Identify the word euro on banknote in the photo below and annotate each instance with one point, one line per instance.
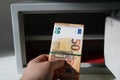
(66, 45)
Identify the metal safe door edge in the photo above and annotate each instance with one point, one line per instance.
(112, 46)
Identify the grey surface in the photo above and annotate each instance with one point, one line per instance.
(6, 38)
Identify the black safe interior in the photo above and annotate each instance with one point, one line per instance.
(42, 24)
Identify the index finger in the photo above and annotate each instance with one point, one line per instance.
(41, 58)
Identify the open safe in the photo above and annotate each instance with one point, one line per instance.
(33, 23)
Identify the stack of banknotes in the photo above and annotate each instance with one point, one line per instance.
(66, 45)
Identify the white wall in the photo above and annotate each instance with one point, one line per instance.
(6, 38)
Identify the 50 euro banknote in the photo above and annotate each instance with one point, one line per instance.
(66, 45)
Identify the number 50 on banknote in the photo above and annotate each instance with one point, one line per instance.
(66, 45)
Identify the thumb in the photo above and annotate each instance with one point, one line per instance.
(56, 64)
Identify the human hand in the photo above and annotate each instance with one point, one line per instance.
(41, 69)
